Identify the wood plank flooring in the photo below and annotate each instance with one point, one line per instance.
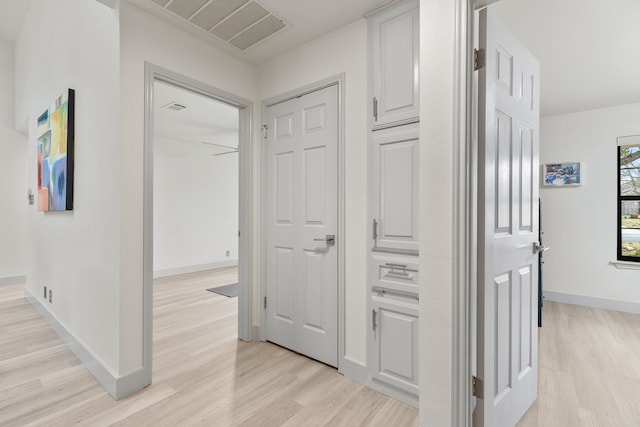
(202, 374)
(589, 363)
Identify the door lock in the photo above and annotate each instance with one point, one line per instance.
(329, 239)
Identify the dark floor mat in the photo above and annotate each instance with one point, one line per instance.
(226, 290)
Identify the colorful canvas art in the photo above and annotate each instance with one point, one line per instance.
(561, 174)
(55, 154)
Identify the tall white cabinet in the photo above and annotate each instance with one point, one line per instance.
(394, 143)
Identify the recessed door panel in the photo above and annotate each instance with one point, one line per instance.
(314, 284)
(396, 176)
(284, 187)
(314, 180)
(284, 284)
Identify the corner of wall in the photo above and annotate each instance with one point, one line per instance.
(117, 386)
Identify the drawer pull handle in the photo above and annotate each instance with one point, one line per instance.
(396, 266)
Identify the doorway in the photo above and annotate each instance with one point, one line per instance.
(236, 109)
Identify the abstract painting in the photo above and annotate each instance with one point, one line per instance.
(561, 174)
(55, 154)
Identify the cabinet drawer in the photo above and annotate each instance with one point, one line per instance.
(395, 274)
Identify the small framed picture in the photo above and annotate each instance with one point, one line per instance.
(565, 174)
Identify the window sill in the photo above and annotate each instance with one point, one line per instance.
(627, 265)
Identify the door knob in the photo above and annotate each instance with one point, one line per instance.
(537, 248)
(329, 239)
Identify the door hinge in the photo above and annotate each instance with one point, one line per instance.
(374, 320)
(375, 109)
(375, 229)
(265, 302)
(479, 59)
(264, 129)
(477, 387)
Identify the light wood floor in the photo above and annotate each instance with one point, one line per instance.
(589, 372)
(589, 369)
(202, 375)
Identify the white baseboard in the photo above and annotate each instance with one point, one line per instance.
(117, 387)
(586, 301)
(13, 280)
(354, 370)
(194, 268)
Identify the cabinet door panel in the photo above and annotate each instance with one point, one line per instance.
(395, 189)
(395, 342)
(394, 55)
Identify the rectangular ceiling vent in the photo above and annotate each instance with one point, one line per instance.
(175, 106)
(240, 23)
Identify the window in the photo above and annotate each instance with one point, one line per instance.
(629, 198)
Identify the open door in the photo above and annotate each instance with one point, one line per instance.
(508, 108)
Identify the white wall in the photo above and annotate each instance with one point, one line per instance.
(438, 138)
(13, 178)
(6, 84)
(74, 44)
(580, 222)
(195, 207)
(343, 51)
(146, 38)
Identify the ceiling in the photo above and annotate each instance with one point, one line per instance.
(589, 50)
(305, 20)
(207, 125)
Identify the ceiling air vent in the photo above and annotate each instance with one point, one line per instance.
(240, 23)
(175, 106)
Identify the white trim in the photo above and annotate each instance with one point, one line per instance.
(628, 140)
(464, 250)
(595, 302)
(193, 268)
(13, 280)
(625, 265)
(346, 366)
(117, 386)
(153, 73)
(111, 4)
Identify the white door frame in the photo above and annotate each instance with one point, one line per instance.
(340, 246)
(154, 73)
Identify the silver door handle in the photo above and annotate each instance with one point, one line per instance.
(537, 248)
(329, 239)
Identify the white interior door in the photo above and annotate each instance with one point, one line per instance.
(301, 217)
(507, 227)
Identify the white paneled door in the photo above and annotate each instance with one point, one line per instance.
(301, 224)
(507, 227)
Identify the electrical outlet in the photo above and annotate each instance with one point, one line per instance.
(50, 296)
(228, 253)
(45, 292)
